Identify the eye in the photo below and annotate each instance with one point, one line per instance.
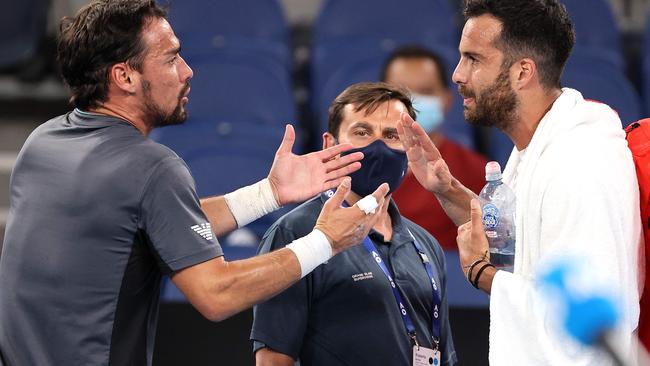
(361, 132)
(392, 136)
(173, 59)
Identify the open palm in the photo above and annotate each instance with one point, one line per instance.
(425, 160)
(296, 178)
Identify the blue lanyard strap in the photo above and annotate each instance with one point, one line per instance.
(370, 247)
(408, 323)
(435, 311)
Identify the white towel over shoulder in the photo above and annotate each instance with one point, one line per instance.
(577, 193)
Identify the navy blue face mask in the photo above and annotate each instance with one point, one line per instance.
(380, 164)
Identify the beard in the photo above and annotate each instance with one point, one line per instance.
(495, 106)
(154, 115)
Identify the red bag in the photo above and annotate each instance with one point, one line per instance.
(638, 139)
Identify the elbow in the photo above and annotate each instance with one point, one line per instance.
(215, 312)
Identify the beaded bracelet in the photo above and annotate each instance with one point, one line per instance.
(471, 268)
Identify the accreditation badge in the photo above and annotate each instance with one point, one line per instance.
(423, 356)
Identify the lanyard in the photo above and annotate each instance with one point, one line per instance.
(408, 323)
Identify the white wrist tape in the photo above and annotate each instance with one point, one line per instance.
(249, 203)
(312, 250)
(368, 204)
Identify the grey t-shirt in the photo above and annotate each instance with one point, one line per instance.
(98, 213)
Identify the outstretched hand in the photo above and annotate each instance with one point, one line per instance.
(296, 178)
(425, 160)
(347, 226)
(471, 239)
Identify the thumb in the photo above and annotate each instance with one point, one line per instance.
(287, 141)
(341, 192)
(476, 215)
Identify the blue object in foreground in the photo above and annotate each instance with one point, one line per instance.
(586, 313)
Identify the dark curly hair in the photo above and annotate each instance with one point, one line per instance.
(103, 33)
(539, 29)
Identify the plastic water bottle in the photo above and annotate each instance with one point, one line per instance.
(498, 204)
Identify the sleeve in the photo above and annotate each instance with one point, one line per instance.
(280, 323)
(583, 213)
(171, 216)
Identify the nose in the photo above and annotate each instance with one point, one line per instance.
(459, 76)
(186, 72)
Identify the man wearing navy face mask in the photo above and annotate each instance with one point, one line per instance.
(423, 73)
(375, 324)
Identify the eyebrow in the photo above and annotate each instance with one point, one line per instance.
(174, 51)
(363, 124)
(471, 54)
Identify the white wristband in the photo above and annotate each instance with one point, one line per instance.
(249, 203)
(312, 250)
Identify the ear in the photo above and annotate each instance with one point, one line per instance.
(124, 77)
(328, 140)
(525, 71)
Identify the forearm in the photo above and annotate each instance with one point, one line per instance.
(219, 215)
(226, 288)
(239, 208)
(269, 357)
(455, 202)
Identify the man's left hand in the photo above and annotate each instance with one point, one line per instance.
(471, 239)
(296, 178)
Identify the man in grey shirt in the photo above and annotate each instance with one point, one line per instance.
(99, 211)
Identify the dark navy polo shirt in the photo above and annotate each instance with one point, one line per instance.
(344, 312)
(98, 213)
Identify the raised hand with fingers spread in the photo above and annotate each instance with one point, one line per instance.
(295, 178)
(347, 226)
(425, 160)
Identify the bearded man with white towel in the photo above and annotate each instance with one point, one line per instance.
(571, 170)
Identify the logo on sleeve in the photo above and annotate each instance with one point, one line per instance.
(205, 230)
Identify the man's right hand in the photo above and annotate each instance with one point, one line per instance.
(425, 160)
(347, 226)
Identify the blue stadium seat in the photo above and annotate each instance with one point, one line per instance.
(225, 156)
(595, 25)
(367, 67)
(603, 82)
(346, 32)
(235, 86)
(645, 68)
(22, 25)
(253, 25)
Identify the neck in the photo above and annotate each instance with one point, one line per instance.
(115, 110)
(384, 224)
(530, 115)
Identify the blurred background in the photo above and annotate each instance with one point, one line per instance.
(259, 64)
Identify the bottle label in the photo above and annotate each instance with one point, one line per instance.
(490, 216)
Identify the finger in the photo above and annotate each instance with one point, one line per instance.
(381, 192)
(341, 172)
(405, 132)
(341, 192)
(330, 152)
(476, 215)
(422, 138)
(335, 164)
(287, 141)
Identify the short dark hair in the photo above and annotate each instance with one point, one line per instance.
(416, 52)
(103, 33)
(368, 97)
(539, 29)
